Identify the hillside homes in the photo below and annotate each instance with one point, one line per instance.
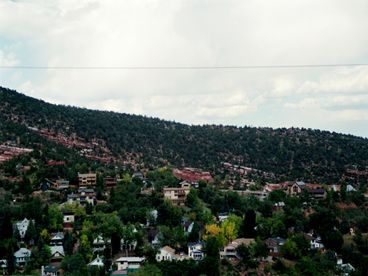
(167, 253)
(177, 196)
(229, 251)
(87, 179)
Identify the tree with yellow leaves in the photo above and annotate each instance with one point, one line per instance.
(211, 230)
(228, 229)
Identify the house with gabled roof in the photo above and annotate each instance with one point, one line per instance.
(167, 253)
(98, 261)
(274, 246)
(22, 227)
(57, 253)
(57, 238)
(22, 256)
(196, 251)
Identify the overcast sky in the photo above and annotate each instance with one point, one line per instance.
(195, 33)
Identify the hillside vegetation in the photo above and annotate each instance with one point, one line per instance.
(292, 153)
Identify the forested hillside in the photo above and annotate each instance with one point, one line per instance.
(292, 153)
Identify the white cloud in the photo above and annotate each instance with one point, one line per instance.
(8, 59)
(194, 33)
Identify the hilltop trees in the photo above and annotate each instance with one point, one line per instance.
(158, 142)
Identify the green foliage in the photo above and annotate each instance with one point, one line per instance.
(314, 154)
(55, 217)
(40, 256)
(332, 240)
(290, 250)
(168, 214)
(74, 265)
(295, 247)
(148, 270)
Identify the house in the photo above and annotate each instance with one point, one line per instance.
(99, 244)
(68, 220)
(22, 256)
(195, 251)
(229, 251)
(316, 191)
(3, 264)
(85, 196)
(131, 264)
(278, 206)
(315, 241)
(222, 217)
(87, 179)
(189, 184)
(57, 253)
(49, 270)
(188, 226)
(110, 182)
(346, 269)
(274, 246)
(22, 227)
(335, 188)
(350, 188)
(166, 253)
(153, 236)
(261, 195)
(61, 184)
(138, 175)
(294, 188)
(87, 192)
(177, 196)
(97, 262)
(316, 244)
(152, 217)
(57, 238)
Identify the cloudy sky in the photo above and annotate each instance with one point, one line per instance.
(195, 33)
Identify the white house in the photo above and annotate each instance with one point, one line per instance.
(166, 253)
(350, 188)
(97, 262)
(57, 252)
(22, 227)
(195, 251)
(68, 220)
(57, 238)
(346, 269)
(129, 263)
(3, 264)
(316, 243)
(222, 217)
(22, 256)
(99, 244)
